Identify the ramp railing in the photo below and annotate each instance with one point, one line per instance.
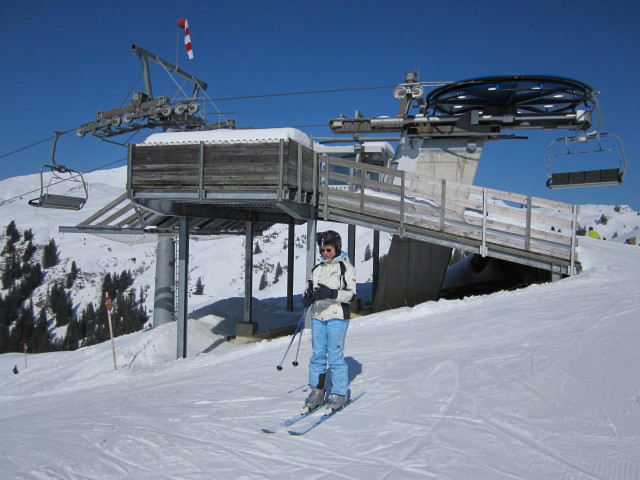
(520, 228)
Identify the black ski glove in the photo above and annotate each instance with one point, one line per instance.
(307, 299)
(322, 292)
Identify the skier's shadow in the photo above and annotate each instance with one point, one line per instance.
(355, 369)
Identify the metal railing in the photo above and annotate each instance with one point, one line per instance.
(490, 222)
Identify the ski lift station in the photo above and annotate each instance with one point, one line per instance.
(195, 178)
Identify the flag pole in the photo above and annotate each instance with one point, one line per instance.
(177, 44)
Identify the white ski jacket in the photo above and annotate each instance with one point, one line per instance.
(329, 273)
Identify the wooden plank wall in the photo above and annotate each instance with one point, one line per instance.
(236, 166)
(380, 195)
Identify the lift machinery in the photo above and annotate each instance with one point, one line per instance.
(485, 107)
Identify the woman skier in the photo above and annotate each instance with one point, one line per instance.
(331, 289)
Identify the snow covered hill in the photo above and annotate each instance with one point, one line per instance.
(539, 383)
(96, 256)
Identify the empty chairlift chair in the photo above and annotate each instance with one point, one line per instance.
(60, 182)
(603, 148)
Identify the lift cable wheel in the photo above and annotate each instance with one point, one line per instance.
(50, 195)
(525, 101)
(528, 101)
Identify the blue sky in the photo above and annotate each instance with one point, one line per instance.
(64, 61)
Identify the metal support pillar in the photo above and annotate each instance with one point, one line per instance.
(351, 243)
(376, 263)
(183, 285)
(311, 247)
(248, 273)
(247, 328)
(556, 273)
(291, 246)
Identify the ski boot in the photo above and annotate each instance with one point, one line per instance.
(336, 402)
(314, 400)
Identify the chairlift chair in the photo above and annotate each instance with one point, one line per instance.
(60, 174)
(586, 178)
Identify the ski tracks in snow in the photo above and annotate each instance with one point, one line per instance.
(432, 394)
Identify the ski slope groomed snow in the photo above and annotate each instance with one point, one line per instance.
(539, 383)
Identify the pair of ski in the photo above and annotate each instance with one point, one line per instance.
(306, 422)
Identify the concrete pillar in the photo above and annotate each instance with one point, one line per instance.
(413, 270)
(411, 273)
(453, 158)
(164, 296)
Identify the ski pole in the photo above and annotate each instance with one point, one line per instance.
(295, 361)
(309, 296)
(300, 324)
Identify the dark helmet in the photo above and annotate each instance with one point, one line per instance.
(330, 238)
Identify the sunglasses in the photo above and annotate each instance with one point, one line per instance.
(326, 249)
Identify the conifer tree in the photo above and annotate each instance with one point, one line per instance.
(32, 278)
(12, 232)
(50, 256)
(52, 297)
(12, 237)
(199, 289)
(263, 281)
(12, 271)
(23, 330)
(90, 320)
(60, 304)
(3, 314)
(108, 286)
(279, 273)
(73, 336)
(72, 275)
(4, 338)
(12, 303)
(124, 280)
(41, 338)
(29, 250)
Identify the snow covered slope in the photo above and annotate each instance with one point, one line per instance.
(96, 256)
(538, 383)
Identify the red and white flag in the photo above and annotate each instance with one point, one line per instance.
(182, 23)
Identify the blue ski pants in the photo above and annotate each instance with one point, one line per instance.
(327, 340)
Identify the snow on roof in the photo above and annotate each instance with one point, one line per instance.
(258, 135)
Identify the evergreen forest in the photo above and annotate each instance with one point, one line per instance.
(41, 316)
